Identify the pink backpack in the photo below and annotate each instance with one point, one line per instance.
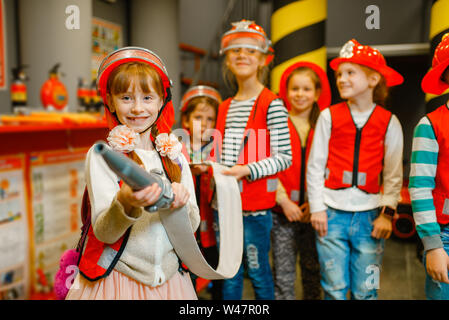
(68, 263)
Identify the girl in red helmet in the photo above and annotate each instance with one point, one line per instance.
(127, 253)
(305, 90)
(256, 146)
(356, 149)
(199, 109)
(429, 182)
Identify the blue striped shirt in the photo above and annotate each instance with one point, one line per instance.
(423, 169)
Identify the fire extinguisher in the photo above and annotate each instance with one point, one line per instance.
(53, 92)
(18, 88)
(95, 100)
(83, 95)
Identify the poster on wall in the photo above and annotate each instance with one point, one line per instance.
(3, 66)
(106, 37)
(14, 239)
(57, 186)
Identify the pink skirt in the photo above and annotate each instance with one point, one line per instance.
(118, 286)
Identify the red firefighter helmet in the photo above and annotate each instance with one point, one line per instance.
(247, 29)
(120, 56)
(367, 56)
(199, 91)
(325, 95)
(432, 81)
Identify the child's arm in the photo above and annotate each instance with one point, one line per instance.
(392, 177)
(437, 264)
(317, 162)
(315, 172)
(130, 200)
(108, 217)
(281, 152)
(421, 183)
(291, 210)
(392, 171)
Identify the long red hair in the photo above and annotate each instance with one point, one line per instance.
(119, 81)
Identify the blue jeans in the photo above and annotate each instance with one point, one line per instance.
(438, 290)
(350, 259)
(256, 247)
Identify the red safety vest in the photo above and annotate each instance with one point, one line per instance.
(206, 192)
(294, 178)
(261, 193)
(356, 155)
(439, 120)
(98, 259)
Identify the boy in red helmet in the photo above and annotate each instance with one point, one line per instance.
(429, 182)
(357, 144)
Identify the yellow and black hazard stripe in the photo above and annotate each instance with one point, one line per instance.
(439, 25)
(298, 30)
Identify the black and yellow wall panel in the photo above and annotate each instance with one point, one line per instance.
(298, 31)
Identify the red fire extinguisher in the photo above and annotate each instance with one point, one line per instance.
(96, 103)
(18, 88)
(53, 92)
(83, 95)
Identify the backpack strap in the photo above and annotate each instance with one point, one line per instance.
(85, 218)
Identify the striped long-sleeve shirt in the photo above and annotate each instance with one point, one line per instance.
(421, 183)
(281, 153)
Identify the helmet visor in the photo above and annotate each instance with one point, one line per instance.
(247, 39)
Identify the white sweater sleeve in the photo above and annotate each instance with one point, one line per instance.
(108, 217)
(102, 184)
(392, 171)
(317, 161)
(187, 181)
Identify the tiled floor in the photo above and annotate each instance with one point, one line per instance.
(402, 277)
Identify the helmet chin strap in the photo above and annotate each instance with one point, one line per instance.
(167, 100)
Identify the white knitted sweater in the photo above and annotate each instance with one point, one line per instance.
(148, 256)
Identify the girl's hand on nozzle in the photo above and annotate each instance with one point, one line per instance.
(437, 263)
(181, 195)
(133, 199)
(319, 222)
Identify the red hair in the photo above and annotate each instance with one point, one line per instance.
(119, 81)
